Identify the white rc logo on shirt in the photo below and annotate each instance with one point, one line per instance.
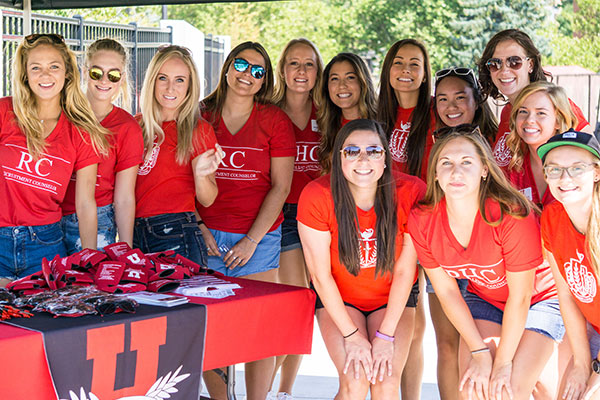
(581, 281)
(30, 172)
(502, 154)
(233, 165)
(398, 141)
(368, 249)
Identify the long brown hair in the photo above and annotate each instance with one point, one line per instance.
(387, 108)
(214, 102)
(495, 186)
(523, 40)
(565, 118)
(329, 116)
(592, 235)
(345, 206)
(280, 86)
(72, 99)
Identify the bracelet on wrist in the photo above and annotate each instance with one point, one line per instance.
(482, 350)
(251, 240)
(350, 334)
(383, 336)
(201, 223)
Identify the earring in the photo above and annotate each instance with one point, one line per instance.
(484, 177)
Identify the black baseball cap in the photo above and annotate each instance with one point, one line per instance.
(570, 138)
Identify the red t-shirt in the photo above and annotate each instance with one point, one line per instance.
(244, 176)
(316, 210)
(306, 167)
(573, 260)
(399, 139)
(514, 245)
(525, 182)
(502, 153)
(31, 190)
(127, 150)
(163, 186)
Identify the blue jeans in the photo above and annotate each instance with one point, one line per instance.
(265, 257)
(23, 247)
(107, 229)
(178, 232)
(543, 317)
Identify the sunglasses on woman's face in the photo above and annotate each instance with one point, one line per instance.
(512, 62)
(352, 153)
(96, 73)
(241, 65)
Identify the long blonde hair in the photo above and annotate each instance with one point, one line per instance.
(189, 111)
(280, 86)
(495, 186)
(123, 96)
(592, 236)
(565, 118)
(72, 99)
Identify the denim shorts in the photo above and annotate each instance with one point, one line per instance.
(543, 317)
(594, 338)
(178, 232)
(265, 257)
(290, 239)
(107, 229)
(23, 247)
(462, 285)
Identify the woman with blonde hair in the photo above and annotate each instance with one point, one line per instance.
(47, 132)
(571, 237)
(540, 111)
(474, 225)
(299, 73)
(243, 226)
(106, 66)
(181, 156)
(346, 93)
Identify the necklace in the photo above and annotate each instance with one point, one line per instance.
(50, 119)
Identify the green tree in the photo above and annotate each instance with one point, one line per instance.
(479, 20)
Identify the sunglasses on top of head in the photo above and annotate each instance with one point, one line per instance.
(96, 73)
(512, 62)
(352, 153)
(55, 38)
(463, 129)
(241, 65)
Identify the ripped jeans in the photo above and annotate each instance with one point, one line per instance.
(178, 232)
(107, 230)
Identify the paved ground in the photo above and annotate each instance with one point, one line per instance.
(317, 378)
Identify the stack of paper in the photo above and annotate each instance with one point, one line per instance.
(207, 286)
(157, 299)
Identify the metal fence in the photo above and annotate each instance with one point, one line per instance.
(142, 42)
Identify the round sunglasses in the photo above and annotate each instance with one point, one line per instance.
(96, 73)
(241, 65)
(512, 62)
(352, 153)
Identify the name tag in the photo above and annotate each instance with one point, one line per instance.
(314, 125)
(528, 192)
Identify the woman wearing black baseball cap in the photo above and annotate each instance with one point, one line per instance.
(571, 237)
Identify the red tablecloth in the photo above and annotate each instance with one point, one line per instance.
(261, 320)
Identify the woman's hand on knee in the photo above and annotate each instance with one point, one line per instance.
(358, 354)
(592, 391)
(500, 378)
(575, 382)
(383, 354)
(477, 376)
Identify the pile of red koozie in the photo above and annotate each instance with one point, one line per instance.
(119, 269)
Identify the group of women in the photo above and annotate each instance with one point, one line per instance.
(308, 169)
